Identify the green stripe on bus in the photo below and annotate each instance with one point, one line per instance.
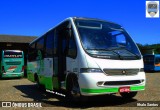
(47, 81)
(99, 90)
(133, 88)
(30, 76)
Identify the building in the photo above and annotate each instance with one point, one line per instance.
(14, 42)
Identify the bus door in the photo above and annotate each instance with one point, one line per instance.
(60, 58)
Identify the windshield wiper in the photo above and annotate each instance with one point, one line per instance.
(120, 48)
(119, 56)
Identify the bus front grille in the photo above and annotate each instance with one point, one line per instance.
(13, 63)
(127, 72)
(116, 83)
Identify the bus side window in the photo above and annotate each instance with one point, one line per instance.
(157, 60)
(72, 48)
(31, 52)
(55, 50)
(40, 46)
(49, 44)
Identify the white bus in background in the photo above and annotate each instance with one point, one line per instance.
(87, 57)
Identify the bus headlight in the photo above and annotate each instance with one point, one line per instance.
(91, 70)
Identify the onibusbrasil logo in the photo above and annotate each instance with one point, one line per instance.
(152, 9)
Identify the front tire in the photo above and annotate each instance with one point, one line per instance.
(129, 95)
(73, 90)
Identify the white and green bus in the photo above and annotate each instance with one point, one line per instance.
(87, 57)
(12, 64)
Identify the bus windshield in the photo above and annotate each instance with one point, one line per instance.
(12, 54)
(102, 39)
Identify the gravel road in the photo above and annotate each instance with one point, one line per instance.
(24, 90)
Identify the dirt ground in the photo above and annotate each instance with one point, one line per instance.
(23, 90)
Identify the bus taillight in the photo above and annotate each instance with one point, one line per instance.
(3, 70)
(23, 68)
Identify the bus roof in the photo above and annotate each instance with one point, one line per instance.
(95, 19)
(74, 18)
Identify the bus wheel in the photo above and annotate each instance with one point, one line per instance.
(129, 95)
(73, 91)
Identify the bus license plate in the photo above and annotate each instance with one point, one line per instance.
(124, 89)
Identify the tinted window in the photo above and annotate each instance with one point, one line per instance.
(49, 44)
(40, 47)
(157, 60)
(55, 43)
(72, 49)
(31, 48)
(148, 59)
(32, 52)
(13, 54)
(40, 44)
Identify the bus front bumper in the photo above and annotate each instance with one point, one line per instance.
(95, 83)
(12, 75)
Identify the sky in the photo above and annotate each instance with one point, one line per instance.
(35, 17)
